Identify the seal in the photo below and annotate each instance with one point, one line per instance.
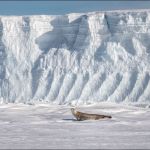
(80, 116)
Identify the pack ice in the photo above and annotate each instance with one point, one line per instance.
(76, 58)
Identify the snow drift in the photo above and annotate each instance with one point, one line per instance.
(82, 58)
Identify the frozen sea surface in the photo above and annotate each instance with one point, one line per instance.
(53, 126)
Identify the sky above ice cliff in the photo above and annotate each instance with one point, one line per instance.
(63, 7)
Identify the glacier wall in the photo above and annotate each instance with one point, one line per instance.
(76, 58)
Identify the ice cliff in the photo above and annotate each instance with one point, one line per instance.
(81, 58)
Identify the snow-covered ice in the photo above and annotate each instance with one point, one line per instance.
(96, 61)
(53, 126)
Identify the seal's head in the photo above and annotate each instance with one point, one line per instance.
(73, 111)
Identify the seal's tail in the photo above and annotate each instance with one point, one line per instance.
(108, 116)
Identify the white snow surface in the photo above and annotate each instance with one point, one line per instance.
(76, 58)
(44, 126)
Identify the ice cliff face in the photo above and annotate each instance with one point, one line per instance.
(81, 58)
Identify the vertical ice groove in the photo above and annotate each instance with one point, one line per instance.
(85, 81)
(145, 94)
(124, 88)
(91, 86)
(145, 97)
(93, 89)
(109, 86)
(49, 80)
(140, 86)
(74, 91)
(36, 76)
(44, 85)
(26, 24)
(65, 88)
(55, 87)
(71, 86)
(79, 84)
(107, 23)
